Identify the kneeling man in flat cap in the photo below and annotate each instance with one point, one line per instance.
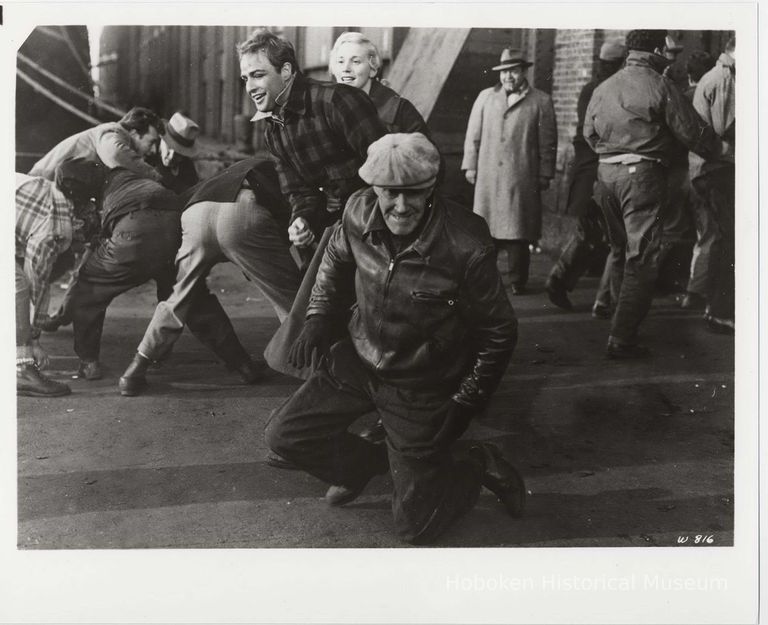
(429, 339)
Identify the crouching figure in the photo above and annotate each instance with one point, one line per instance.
(429, 338)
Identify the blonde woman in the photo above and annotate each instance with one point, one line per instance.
(356, 61)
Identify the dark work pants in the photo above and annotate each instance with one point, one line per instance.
(431, 488)
(579, 253)
(633, 199)
(518, 260)
(718, 191)
(142, 247)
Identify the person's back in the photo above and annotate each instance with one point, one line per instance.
(81, 145)
(124, 143)
(629, 107)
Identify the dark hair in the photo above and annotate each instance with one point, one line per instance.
(277, 50)
(646, 40)
(731, 45)
(699, 63)
(79, 178)
(140, 119)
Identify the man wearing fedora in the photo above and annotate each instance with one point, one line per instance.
(509, 155)
(178, 146)
(633, 122)
(579, 253)
(429, 340)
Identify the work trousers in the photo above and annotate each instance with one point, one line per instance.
(718, 191)
(141, 248)
(431, 488)
(707, 238)
(23, 307)
(633, 199)
(242, 232)
(678, 231)
(518, 255)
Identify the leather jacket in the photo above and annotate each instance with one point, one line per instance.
(435, 315)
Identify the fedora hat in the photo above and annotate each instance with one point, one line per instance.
(180, 134)
(511, 57)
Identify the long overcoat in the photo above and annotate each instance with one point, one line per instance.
(510, 147)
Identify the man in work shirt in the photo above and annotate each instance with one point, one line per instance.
(715, 183)
(115, 144)
(632, 123)
(46, 216)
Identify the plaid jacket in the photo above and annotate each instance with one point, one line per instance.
(320, 138)
(43, 231)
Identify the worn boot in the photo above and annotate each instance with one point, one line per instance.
(31, 383)
(133, 381)
(500, 477)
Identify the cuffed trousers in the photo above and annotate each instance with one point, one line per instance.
(243, 232)
(431, 488)
(633, 199)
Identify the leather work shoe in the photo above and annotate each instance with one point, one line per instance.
(500, 477)
(340, 495)
(601, 311)
(251, 371)
(693, 301)
(375, 434)
(90, 370)
(557, 293)
(31, 383)
(278, 462)
(133, 381)
(619, 351)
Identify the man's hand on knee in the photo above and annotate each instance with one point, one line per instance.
(314, 338)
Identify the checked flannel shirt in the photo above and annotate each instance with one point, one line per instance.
(43, 231)
(319, 138)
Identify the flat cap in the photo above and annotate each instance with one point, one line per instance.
(612, 51)
(401, 160)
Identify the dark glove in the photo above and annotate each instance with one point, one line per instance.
(314, 338)
(457, 418)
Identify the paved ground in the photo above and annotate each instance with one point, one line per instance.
(614, 453)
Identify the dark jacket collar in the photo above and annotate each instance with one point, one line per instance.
(298, 95)
(639, 58)
(430, 233)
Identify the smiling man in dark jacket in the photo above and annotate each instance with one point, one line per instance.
(429, 341)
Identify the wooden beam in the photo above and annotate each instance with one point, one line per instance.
(423, 64)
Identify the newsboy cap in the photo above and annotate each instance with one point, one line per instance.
(401, 160)
(646, 40)
(612, 51)
(511, 57)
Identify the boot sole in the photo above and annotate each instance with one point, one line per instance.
(31, 393)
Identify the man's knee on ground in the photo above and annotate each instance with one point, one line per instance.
(275, 435)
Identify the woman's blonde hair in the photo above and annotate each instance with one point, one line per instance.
(374, 58)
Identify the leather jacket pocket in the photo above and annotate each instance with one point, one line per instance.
(428, 297)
